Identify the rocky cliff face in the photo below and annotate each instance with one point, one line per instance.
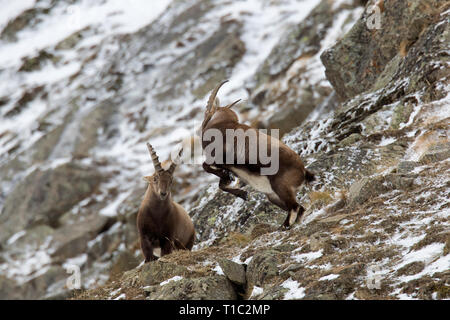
(366, 107)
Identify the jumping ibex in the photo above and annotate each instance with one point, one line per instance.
(280, 187)
(162, 222)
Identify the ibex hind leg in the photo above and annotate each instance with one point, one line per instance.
(277, 201)
(286, 196)
(293, 216)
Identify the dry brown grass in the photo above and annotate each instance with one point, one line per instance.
(403, 49)
(323, 196)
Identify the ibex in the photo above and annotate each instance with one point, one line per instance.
(162, 222)
(280, 187)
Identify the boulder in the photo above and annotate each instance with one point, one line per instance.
(369, 188)
(262, 268)
(33, 288)
(411, 268)
(303, 39)
(205, 288)
(354, 63)
(155, 272)
(235, 272)
(123, 262)
(100, 118)
(71, 240)
(44, 196)
(437, 152)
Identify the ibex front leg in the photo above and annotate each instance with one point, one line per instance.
(225, 180)
(147, 249)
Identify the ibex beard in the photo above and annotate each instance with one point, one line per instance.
(232, 148)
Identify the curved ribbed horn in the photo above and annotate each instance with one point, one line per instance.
(154, 157)
(213, 95)
(232, 104)
(174, 162)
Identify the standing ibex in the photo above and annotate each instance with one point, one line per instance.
(280, 186)
(162, 222)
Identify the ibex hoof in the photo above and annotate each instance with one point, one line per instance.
(284, 227)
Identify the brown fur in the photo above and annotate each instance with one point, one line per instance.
(284, 184)
(161, 222)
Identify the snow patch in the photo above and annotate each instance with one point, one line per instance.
(176, 278)
(329, 277)
(295, 291)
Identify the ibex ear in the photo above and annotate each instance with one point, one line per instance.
(147, 178)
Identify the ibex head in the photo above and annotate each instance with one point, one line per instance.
(213, 107)
(161, 180)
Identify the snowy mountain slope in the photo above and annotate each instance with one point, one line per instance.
(85, 84)
(88, 82)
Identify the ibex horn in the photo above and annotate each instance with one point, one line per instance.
(232, 104)
(174, 164)
(213, 95)
(155, 159)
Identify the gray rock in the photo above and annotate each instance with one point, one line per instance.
(71, 240)
(127, 214)
(262, 268)
(37, 287)
(235, 272)
(273, 293)
(33, 239)
(28, 18)
(351, 139)
(406, 166)
(34, 288)
(106, 243)
(354, 64)
(367, 188)
(27, 96)
(208, 63)
(206, 288)
(411, 268)
(291, 269)
(44, 196)
(99, 118)
(292, 114)
(71, 41)
(123, 262)
(218, 55)
(155, 272)
(401, 114)
(256, 210)
(36, 62)
(299, 40)
(435, 153)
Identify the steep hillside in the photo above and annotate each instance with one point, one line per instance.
(367, 109)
